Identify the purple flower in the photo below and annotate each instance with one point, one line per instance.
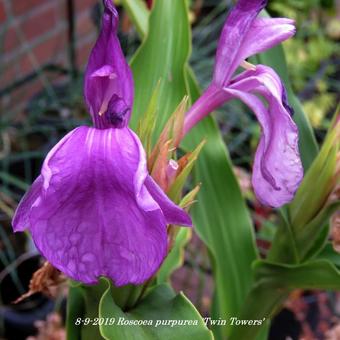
(94, 210)
(277, 169)
(108, 84)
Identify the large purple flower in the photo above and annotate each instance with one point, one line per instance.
(277, 170)
(94, 210)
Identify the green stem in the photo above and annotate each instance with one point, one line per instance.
(92, 296)
(262, 304)
(284, 248)
(264, 301)
(83, 304)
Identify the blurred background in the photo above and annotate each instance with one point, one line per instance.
(44, 46)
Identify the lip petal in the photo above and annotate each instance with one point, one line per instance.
(93, 212)
(277, 170)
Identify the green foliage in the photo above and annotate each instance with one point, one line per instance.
(315, 274)
(231, 267)
(166, 48)
(160, 304)
(244, 286)
(138, 13)
(175, 258)
(177, 187)
(321, 177)
(301, 236)
(223, 223)
(318, 106)
(328, 253)
(273, 284)
(75, 309)
(311, 53)
(147, 124)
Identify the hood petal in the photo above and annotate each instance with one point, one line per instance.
(108, 87)
(277, 170)
(94, 215)
(264, 34)
(31, 198)
(234, 33)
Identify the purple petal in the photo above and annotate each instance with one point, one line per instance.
(108, 87)
(172, 213)
(94, 214)
(31, 198)
(277, 170)
(234, 33)
(265, 34)
(211, 99)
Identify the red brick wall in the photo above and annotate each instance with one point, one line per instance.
(33, 33)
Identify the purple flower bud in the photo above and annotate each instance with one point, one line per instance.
(108, 87)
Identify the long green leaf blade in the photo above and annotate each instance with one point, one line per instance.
(273, 284)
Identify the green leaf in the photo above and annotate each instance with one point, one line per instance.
(284, 247)
(177, 187)
(75, 309)
(316, 274)
(138, 13)
(328, 253)
(83, 304)
(222, 219)
(162, 56)
(305, 227)
(176, 256)
(147, 124)
(311, 239)
(273, 284)
(92, 295)
(7, 178)
(320, 176)
(159, 306)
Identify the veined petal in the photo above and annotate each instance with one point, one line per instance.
(277, 170)
(234, 33)
(108, 87)
(31, 198)
(95, 216)
(265, 33)
(263, 80)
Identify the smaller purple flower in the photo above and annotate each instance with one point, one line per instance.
(277, 169)
(95, 210)
(108, 84)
